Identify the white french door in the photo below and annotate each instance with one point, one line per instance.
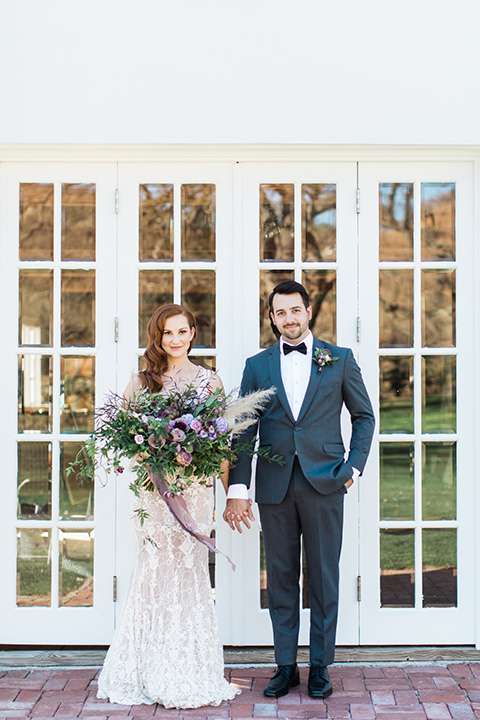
(298, 222)
(417, 514)
(87, 253)
(57, 535)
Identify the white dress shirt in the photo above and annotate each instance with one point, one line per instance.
(295, 369)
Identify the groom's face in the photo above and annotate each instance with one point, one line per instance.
(291, 317)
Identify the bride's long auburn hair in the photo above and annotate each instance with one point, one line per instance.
(155, 356)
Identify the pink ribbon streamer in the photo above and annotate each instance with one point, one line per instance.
(179, 510)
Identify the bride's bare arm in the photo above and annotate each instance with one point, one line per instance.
(133, 387)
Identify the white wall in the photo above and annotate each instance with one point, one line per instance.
(250, 71)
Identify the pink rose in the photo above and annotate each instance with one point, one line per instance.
(184, 458)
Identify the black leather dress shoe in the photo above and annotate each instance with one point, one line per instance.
(319, 685)
(286, 676)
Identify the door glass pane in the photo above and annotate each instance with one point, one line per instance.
(396, 308)
(155, 289)
(439, 568)
(439, 481)
(36, 221)
(438, 221)
(396, 395)
(198, 222)
(319, 221)
(321, 286)
(276, 222)
(78, 308)
(396, 221)
(397, 481)
(77, 400)
(439, 394)
(34, 393)
(397, 563)
(156, 222)
(78, 221)
(263, 575)
(35, 307)
(438, 308)
(76, 494)
(33, 567)
(268, 280)
(34, 481)
(75, 582)
(198, 294)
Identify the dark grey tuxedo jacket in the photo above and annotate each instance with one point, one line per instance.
(316, 435)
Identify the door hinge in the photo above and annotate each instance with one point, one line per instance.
(359, 588)
(359, 329)
(357, 200)
(114, 588)
(116, 201)
(115, 330)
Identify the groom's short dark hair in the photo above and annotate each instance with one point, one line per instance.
(287, 287)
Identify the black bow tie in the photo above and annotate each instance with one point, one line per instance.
(302, 348)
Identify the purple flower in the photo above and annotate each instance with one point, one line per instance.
(144, 419)
(180, 425)
(212, 433)
(155, 443)
(184, 458)
(171, 424)
(178, 435)
(221, 425)
(196, 425)
(119, 470)
(139, 439)
(187, 418)
(204, 434)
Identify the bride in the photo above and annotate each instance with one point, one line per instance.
(166, 648)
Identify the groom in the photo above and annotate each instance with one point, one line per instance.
(304, 496)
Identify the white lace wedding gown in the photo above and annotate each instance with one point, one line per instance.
(166, 648)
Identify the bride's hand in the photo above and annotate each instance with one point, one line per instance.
(237, 512)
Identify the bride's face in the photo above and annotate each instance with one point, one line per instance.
(177, 336)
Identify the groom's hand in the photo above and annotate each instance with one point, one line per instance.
(237, 512)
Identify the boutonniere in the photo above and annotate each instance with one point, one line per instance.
(323, 357)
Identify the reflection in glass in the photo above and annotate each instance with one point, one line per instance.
(268, 280)
(438, 308)
(155, 289)
(33, 568)
(76, 494)
(439, 481)
(198, 294)
(78, 221)
(78, 308)
(396, 308)
(198, 222)
(319, 222)
(321, 286)
(75, 582)
(397, 568)
(36, 221)
(439, 568)
(438, 221)
(34, 393)
(156, 222)
(396, 221)
(276, 222)
(439, 394)
(35, 307)
(396, 481)
(396, 395)
(77, 399)
(263, 575)
(34, 480)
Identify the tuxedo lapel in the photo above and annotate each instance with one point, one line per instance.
(276, 378)
(316, 379)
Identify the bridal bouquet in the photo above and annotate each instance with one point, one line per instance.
(178, 436)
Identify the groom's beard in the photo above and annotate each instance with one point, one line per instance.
(293, 333)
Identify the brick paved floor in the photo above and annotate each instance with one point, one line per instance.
(385, 692)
